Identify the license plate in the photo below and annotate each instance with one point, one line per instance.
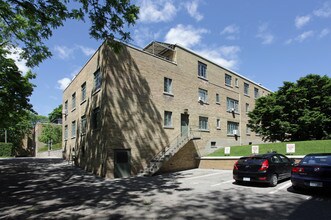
(246, 179)
(315, 184)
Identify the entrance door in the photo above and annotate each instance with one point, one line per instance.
(122, 165)
(184, 121)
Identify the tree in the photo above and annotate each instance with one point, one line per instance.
(29, 22)
(55, 114)
(297, 111)
(51, 132)
(14, 92)
(26, 24)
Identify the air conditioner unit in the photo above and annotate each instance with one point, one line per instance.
(232, 109)
(200, 99)
(235, 132)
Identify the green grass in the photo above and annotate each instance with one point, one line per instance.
(301, 148)
(57, 146)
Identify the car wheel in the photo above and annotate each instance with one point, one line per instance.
(296, 188)
(273, 180)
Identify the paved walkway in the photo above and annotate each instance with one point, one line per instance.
(53, 189)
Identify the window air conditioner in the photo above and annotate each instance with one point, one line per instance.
(235, 132)
(200, 99)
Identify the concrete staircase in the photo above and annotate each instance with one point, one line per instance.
(166, 153)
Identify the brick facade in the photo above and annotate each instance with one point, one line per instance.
(128, 111)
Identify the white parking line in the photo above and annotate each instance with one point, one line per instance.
(280, 188)
(229, 181)
(196, 177)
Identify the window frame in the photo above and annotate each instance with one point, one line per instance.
(97, 80)
(202, 70)
(246, 89)
(83, 125)
(204, 97)
(256, 93)
(83, 92)
(95, 119)
(167, 121)
(73, 101)
(66, 132)
(227, 78)
(73, 129)
(203, 123)
(232, 104)
(167, 85)
(218, 124)
(218, 98)
(231, 126)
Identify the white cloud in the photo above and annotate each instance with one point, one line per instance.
(15, 55)
(324, 11)
(301, 21)
(302, 37)
(324, 32)
(156, 11)
(192, 9)
(231, 32)
(186, 36)
(86, 50)
(64, 52)
(226, 56)
(63, 83)
(264, 34)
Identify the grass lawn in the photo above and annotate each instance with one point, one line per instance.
(57, 146)
(301, 148)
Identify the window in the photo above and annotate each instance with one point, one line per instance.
(217, 98)
(65, 112)
(247, 108)
(96, 118)
(203, 123)
(232, 128)
(97, 80)
(256, 93)
(167, 85)
(203, 95)
(248, 130)
(73, 100)
(83, 88)
(232, 105)
(66, 132)
(228, 80)
(246, 88)
(218, 123)
(236, 82)
(202, 70)
(73, 129)
(83, 124)
(167, 119)
(213, 144)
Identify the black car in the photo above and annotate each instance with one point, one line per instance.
(266, 168)
(313, 171)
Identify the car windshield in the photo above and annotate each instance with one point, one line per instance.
(317, 160)
(251, 160)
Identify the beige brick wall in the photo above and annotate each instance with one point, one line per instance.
(132, 107)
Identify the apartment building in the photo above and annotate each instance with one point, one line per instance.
(124, 109)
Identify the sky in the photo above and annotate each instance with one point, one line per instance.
(266, 41)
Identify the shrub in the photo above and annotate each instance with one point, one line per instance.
(6, 149)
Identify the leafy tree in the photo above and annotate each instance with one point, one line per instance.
(14, 92)
(51, 132)
(55, 114)
(297, 111)
(28, 22)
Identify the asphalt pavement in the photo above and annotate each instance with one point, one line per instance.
(33, 188)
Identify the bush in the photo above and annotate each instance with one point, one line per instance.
(6, 149)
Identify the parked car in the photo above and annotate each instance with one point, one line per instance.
(266, 168)
(313, 171)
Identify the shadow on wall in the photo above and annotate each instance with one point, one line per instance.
(129, 118)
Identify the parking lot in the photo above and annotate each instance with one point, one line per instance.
(45, 188)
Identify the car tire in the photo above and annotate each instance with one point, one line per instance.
(273, 180)
(295, 188)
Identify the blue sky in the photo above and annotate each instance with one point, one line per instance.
(266, 41)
